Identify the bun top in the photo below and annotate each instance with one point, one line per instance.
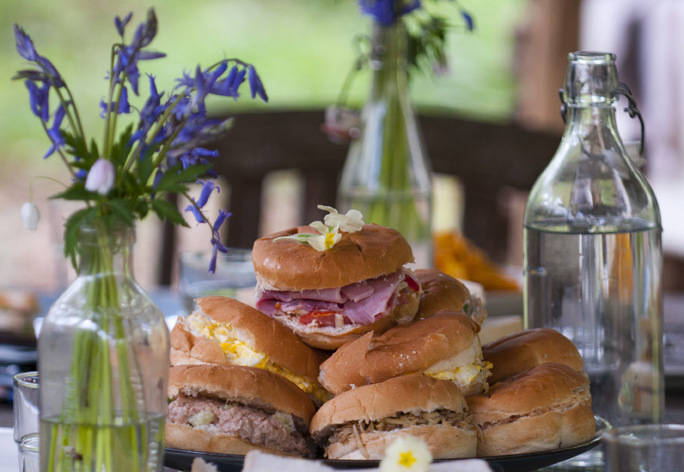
(246, 385)
(267, 335)
(524, 350)
(440, 293)
(409, 393)
(288, 265)
(544, 387)
(401, 350)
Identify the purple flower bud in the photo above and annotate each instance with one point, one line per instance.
(121, 23)
(30, 216)
(255, 84)
(467, 17)
(25, 46)
(208, 187)
(101, 177)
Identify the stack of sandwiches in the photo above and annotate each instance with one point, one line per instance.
(347, 349)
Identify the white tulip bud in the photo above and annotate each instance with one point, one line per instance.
(30, 216)
(100, 177)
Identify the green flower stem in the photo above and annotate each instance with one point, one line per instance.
(105, 140)
(394, 204)
(159, 124)
(75, 126)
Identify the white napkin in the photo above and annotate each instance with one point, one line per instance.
(257, 461)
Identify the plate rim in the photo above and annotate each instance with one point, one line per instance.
(602, 425)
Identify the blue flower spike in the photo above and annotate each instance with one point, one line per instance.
(121, 23)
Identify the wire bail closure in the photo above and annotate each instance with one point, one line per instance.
(631, 109)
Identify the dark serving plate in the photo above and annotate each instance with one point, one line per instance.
(182, 459)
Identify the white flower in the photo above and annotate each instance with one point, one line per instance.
(328, 236)
(406, 454)
(30, 216)
(350, 222)
(329, 231)
(100, 177)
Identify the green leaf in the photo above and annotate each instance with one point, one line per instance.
(73, 223)
(120, 149)
(76, 146)
(76, 192)
(145, 166)
(121, 209)
(167, 211)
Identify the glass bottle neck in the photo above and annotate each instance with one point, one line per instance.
(388, 61)
(106, 252)
(595, 124)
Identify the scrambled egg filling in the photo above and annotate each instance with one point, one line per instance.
(463, 375)
(240, 353)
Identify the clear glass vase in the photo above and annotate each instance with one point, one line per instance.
(103, 361)
(593, 257)
(387, 175)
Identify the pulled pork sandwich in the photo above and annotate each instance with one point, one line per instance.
(328, 296)
(233, 410)
(444, 346)
(225, 331)
(361, 423)
(444, 293)
(547, 407)
(524, 350)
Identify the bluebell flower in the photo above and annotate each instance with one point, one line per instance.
(124, 106)
(228, 87)
(386, 12)
(121, 23)
(39, 99)
(81, 174)
(146, 31)
(51, 71)
(27, 50)
(216, 245)
(24, 44)
(153, 107)
(467, 17)
(207, 188)
(255, 85)
(54, 133)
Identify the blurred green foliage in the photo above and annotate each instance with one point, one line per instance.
(302, 49)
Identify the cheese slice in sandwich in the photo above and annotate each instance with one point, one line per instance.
(225, 331)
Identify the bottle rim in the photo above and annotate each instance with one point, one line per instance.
(591, 57)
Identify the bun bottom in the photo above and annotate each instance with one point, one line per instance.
(181, 436)
(331, 338)
(444, 442)
(552, 430)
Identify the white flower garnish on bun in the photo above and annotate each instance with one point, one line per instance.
(329, 230)
(406, 454)
(350, 222)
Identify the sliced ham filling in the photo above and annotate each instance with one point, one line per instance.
(356, 304)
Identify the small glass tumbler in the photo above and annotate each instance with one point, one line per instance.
(234, 276)
(644, 448)
(25, 404)
(29, 456)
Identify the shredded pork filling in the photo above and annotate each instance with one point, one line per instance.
(275, 430)
(561, 408)
(352, 429)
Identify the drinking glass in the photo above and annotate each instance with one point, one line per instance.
(234, 276)
(29, 456)
(644, 448)
(25, 404)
